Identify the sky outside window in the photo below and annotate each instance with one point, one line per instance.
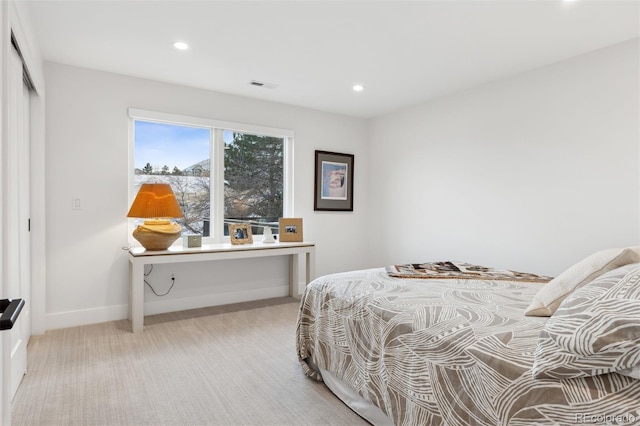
(161, 144)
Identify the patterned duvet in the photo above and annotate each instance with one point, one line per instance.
(455, 352)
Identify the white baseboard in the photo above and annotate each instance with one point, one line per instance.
(86, 316)
(118, 312)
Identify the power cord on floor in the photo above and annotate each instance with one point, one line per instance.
(173, 281)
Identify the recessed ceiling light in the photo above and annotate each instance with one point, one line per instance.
(358, 87)
(180, 45)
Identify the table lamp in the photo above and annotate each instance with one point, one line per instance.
(157, 201)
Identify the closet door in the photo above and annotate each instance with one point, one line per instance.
(18, 258)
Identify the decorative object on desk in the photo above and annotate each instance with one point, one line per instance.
(192, 240)
(290, 230)
(333, 189)
(267, 236)
(157, 201)
(240, 233)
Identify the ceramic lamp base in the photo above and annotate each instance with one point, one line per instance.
(157, 234)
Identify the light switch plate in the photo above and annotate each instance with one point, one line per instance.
(76, 203)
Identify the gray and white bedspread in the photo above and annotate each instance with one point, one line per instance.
(455, 352)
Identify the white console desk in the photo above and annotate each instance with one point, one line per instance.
(139, 257)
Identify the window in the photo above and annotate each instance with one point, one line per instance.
(179, 156)
(253, 174)
(220, 172)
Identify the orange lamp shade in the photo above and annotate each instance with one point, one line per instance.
(155, 200)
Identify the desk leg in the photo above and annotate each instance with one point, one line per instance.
(293, 275)
(311, 265)
(136, 301)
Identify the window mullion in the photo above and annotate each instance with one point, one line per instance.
(288, 177)
(217, 184)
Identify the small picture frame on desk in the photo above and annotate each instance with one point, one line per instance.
(290, 230)
(240, 233)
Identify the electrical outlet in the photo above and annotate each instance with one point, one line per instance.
(173, 276)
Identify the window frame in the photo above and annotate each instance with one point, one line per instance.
(216, 149)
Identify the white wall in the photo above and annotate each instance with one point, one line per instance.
(529, 173)
(87, 157)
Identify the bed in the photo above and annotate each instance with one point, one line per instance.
(461, 350)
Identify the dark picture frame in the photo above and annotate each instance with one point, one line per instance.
(333, 189)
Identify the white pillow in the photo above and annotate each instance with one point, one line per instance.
(547, 300)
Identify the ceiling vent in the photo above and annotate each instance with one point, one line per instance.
(257, 83)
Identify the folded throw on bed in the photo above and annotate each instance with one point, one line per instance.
(460, 270)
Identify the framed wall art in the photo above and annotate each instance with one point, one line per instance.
(290, 230)
(333, 181)
(240, 233)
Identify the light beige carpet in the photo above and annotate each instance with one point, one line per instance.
(231, 365)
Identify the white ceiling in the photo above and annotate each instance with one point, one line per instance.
(404, 52)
